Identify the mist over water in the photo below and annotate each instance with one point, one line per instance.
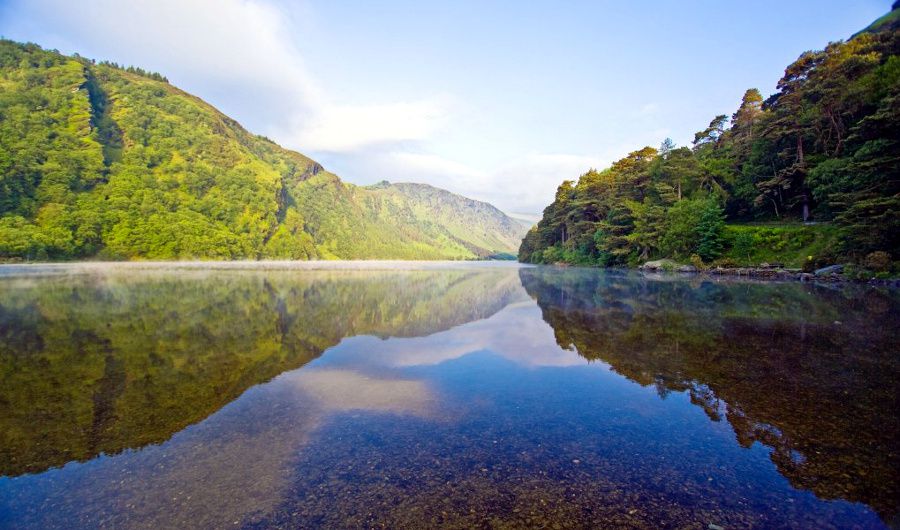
(455, 394)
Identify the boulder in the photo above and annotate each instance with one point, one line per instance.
(831, 269)
(658, 265)
(666, 265)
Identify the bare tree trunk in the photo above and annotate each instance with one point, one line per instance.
(837, 132)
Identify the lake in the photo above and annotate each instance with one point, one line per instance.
(442, 395)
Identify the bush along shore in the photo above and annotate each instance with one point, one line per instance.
(778, 272)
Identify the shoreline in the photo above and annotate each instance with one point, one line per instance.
(649, 270)
(761, 274)
(90, 267)
(781, 275)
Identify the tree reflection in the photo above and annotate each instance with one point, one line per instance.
(810, 372)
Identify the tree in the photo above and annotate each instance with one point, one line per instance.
(679, 168)
(709, 137)
(709, 231)
(743, 122)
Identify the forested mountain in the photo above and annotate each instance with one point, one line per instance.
(825, 147)
(97, 160)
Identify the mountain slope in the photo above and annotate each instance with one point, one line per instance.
(101, 161)
(477, 225)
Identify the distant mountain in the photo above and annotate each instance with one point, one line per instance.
(526, 219)
(100, 161)
(477, 225)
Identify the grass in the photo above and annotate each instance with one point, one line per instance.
(791, 244)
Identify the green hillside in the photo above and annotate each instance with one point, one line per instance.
(479, 225)
(98, 161)
(824, 148)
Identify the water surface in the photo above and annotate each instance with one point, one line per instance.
(411, 395)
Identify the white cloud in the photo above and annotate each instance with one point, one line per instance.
(227, 40)
(532, 180)
(510, 333)
(428, 166)
(343, 390)
(238, 54)
(242, 56)
(525, 184)
(340, 128)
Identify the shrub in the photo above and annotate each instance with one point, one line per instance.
(878, 261)
(697, 261)
(743, 244)
(694, 227)
(809, 264)
(709, 230)
(727, 263)
(552, 255)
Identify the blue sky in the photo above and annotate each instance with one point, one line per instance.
(500, 101)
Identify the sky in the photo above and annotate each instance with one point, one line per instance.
(498, 101)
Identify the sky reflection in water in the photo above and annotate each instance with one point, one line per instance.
(460, 396)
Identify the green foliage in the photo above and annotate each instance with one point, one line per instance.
(788, 244)
(693, 227)
(824, 147)
(636, 210)
(290, 241)
(100, 160)
(742, 244)
(709, 231)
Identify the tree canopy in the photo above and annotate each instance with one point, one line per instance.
(825, 147)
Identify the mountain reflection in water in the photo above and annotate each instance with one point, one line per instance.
(423, 396)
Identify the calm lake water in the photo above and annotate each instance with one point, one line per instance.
(412, 395)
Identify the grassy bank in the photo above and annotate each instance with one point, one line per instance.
(790, 244)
